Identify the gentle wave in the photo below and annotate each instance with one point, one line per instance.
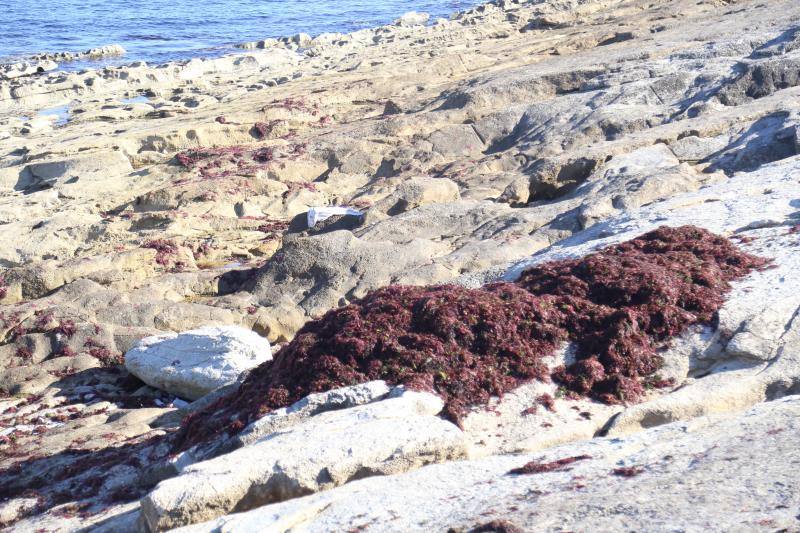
(167, 30)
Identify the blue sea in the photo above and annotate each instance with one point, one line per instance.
(157, 31)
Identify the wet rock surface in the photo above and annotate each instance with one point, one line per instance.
(155, 200)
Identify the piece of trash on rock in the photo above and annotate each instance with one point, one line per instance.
(318, 214)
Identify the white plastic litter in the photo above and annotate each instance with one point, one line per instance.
(318, 214)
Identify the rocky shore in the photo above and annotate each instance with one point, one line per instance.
(533, 268)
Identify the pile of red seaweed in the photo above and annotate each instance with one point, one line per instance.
(618, 306)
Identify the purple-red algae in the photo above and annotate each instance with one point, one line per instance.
(627, 471)
(66, 327)
(273, 227)
(263, 155)
(620, 303)
(43, 319)
(65, 351)
(264, 129)
(546, 401)
(617, 305)
(535, 467)
(106, 356)
(497, 526)
(165, 250)
(24, 353)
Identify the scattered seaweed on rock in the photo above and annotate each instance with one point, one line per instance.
(546, 401)
(495, 526)
(191, 158)
(617, 306)
(85, 476)
(627, 471)
(238, 160)
(165, 250)
(263, 129)
(535, 467)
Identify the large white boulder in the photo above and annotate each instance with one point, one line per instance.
(193, 363)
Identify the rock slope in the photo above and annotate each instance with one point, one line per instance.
(654, 480)
(145, 201)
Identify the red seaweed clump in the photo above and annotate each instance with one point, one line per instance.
(66, 328)
(24, 353)
(263, 155)
(621, 303)
(497, 526)
(192, 157)
(263, 129)
(106, 356)
(165, 250)
(65, 351)
(618, 306)
(535, 467)
(43, 319)
(627, 471)
(273, 228)
(547, 401)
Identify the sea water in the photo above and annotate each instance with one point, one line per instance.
(157, 31)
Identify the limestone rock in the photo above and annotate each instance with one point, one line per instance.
(419, 191)
(456, 140)
(311, 405)
(194, 363)
(657, 479)
(83, 169)
(382, 438)
(142, 199)
(323, 268)
(412, 18)
(26, 68)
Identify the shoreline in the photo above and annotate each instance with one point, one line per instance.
(169, 229)
(105, 52)
(43, 68)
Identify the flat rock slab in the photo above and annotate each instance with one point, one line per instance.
(327, 450)
(193, 363)
(686, 476)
